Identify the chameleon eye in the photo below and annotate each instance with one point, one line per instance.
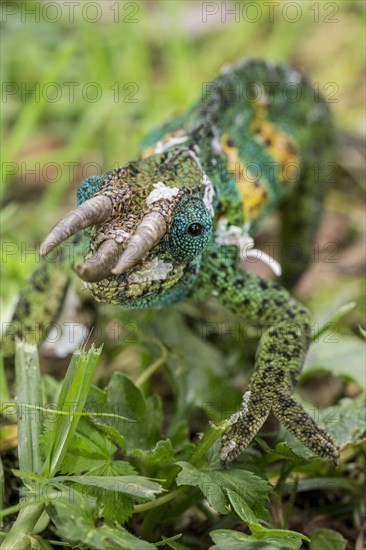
(188, 237)
(195, 229)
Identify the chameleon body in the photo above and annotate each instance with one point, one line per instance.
(202, 183)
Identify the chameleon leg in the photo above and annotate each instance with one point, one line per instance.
(285, 340)
(296, 419)
(38, 305)
(244, 425)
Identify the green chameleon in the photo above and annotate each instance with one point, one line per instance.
(176, 222)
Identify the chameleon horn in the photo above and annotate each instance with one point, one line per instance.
(91, 212)
(149, 232)
(99, 266)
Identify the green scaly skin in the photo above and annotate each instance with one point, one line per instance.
(243, 149)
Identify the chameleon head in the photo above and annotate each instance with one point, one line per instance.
(146, 230)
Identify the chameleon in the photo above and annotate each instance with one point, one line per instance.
(175, 223)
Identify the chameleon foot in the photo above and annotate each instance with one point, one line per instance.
(244, 426)
(254, 411)
(294, 417)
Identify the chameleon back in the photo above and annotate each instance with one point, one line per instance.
(261, 133)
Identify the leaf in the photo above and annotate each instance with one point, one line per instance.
(249, 489)
(271, 539)
(339, 355)
(291, 537)
(90, 450)
(346, 421)
(112, 468)
(97, 402)
(283, 450)
(327, 539)
(241, 508)
(161, 456)
(124, 399)
(116, 507)
(136, 486)
(75, 521)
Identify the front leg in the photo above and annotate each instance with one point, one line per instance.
(280, 356)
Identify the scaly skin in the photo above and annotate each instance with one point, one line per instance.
(210, 176)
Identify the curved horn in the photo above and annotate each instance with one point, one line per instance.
(91, 212)
(149, 232)
(99, 266)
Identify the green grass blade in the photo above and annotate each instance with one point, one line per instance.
(74, 392)
(4, 389)
(28, 392)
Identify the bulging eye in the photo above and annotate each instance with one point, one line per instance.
(191, 229)
(195, 229)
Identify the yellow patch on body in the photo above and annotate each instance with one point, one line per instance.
(278, 145)
(252, 189)
(162, 143)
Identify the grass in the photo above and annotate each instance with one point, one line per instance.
(118, 463)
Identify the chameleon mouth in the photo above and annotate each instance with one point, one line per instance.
(111, 258)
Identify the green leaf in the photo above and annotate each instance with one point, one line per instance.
(116, 507)
(271, 539)
(160, 456)
(75, 521)
(241, 508)
(346, 421)
(97, 401)
(249, 489)
(91, 450)
(136, 486)
(327, 539)
(284, 450)
(126, 399)
(72, 399)
(339, 355)
(112, 468)
(28, 393)
(334, 320)
(292, 537)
